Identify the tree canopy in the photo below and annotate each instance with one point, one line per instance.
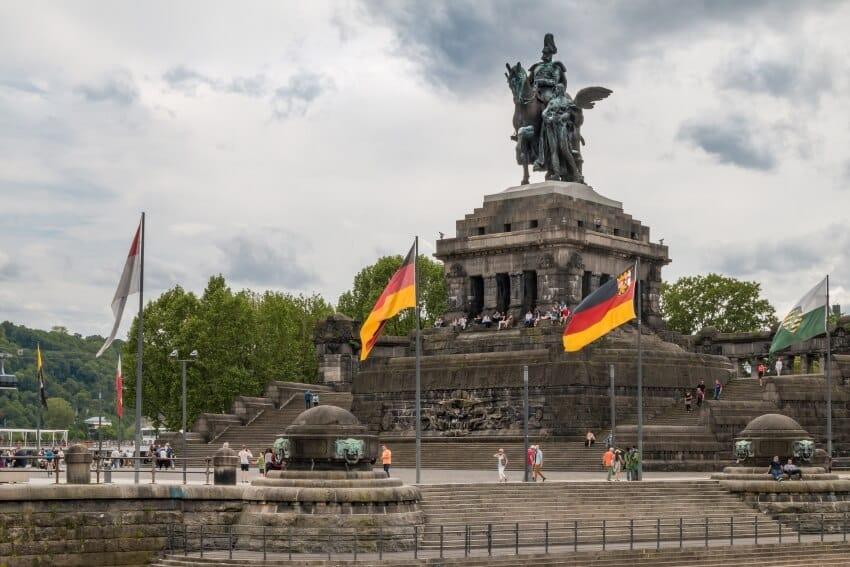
(369, 282)
(244, 341)
(713, 300)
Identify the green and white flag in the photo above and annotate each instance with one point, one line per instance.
(807, 319)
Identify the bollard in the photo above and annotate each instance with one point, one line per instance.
(631, 533)
(207, 470)
(780, 533)
(844, 525)
(78, 465)
(680, 532)
(799, 531)
(731, 530)
(706, 531)
(490, 540)
(153, 471)
(356, 545)
(264, 542)
(575, 535)
(821, 527)
(416, 542)
(202, 540)
(657, 533)
(290, 542)
(441, 541)
(225, 463)
(546, 539)
(516, 539)
(756, 530)
(380, 543)
(603, 535)
(230, 542)
(466, 542)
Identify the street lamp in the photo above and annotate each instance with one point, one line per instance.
(193, 356)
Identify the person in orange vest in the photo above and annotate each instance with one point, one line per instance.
(608, 462)
(386, 459)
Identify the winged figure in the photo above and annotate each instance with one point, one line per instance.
(547, 121)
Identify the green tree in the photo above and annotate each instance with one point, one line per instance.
(369, 282)
(59, 414)
(722, 302)
(244, 341)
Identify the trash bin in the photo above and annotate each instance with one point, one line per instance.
(107, 473)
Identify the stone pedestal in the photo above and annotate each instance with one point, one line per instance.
(337, 342)
(78, 465)
(225, 461)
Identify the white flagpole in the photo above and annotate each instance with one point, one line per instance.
(828, 377)
(639, 370)
(418, 366)
(139, 343)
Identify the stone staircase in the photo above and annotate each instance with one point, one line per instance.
(588, 503)
(742, 401)
(261, 429)
(828, 554)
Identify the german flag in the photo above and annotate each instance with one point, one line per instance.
(611, 305)
(399, 294)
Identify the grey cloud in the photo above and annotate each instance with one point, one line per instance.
(119, 87)
(463, 44)
(787, 77)
(22, 85)
(788, 255)
(254, 260)
(731, 141)
(9, 271)
(188, 80)
(302, 89)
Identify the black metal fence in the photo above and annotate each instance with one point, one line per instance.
(465, 540)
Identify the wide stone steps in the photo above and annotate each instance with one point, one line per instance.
(827, 554)
(261, 432)
(589, 503)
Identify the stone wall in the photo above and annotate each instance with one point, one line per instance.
(478, 391)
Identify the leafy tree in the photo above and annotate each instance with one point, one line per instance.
(371, 281)
(244, 341)
(722, 302)
(59, 414)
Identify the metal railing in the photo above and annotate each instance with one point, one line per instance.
(489, 539)
(153, 465)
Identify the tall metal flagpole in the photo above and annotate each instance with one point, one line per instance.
(139, 343)
(525, 418)
(639, 371)
(828, 377)
(418, 357)
(613, 406)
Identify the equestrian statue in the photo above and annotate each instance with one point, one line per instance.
(547, 121)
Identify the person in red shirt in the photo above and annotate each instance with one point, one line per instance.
(529, 457)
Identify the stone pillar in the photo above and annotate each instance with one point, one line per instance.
(517, 288)
(78, 465)
(489, 293)
(336, 339)
(805, 363)
(225, 462)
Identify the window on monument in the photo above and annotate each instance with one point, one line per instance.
(634, 236)
(616, 232)
(585, 284)
(529, 291)
(503, 292)
(481, 230)
(581, 224)
(604, 278)
(507, 227)
(476, 287)
(532, 224)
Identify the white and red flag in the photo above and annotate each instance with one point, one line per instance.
(119, 390)
(128, 285)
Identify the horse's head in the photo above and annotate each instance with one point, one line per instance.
(516, 77)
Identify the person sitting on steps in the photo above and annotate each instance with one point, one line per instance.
(792, 470)
(775, 469)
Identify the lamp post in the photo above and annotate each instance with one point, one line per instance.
(100, 424)
(193, 356)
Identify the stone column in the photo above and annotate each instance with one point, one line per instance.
(225, 462)
(517, 288)
(805, 363)
(78, 465)
(489, 293)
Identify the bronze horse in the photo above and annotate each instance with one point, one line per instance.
(528, 118)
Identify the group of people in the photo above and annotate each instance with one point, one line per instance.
(311, 399)
(162, 454)
(615, 461)
(533, 460)
(532, 318)
(698, 394)
(47, 458)
(779, 471)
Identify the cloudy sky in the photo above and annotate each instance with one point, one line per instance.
(287, 144)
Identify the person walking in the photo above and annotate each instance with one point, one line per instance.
(315, 399)
(778, 366)
(529, 460)
(261, 463)
(386, 459)
(245, 457)
(538, 463)
(618, 464)
(718, 388)
(688, 401)
(760, 370)
(308, 398)
(501, 465)
(589, 439)
(608, 462)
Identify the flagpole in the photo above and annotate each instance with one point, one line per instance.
(639, 371)
(139, 343)
(828, 377)
(418, 365)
